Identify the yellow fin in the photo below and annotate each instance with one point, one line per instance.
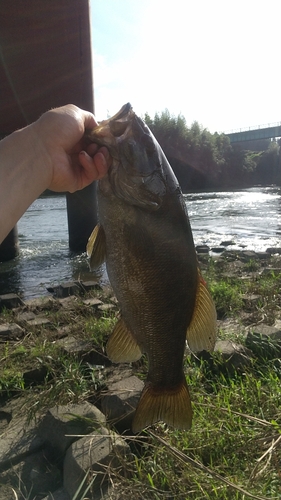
(172, 405)
(96, 247)
(121, 346)
(202, 331)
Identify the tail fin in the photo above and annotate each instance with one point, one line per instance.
(172, 405)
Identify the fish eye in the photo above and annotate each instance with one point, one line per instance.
(148, 143)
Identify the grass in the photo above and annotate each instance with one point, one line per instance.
(233, 450)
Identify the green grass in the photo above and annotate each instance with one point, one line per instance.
(236, 421)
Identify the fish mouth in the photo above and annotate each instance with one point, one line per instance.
(113, 130)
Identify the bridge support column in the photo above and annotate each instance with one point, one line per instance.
(9, 248)
(82, 216)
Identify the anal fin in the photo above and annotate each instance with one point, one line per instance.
(171, 405)
(122, 346)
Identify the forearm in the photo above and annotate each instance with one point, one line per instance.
(24, 175)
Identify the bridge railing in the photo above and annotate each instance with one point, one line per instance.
(252, 127)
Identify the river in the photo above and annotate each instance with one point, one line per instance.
(250, 218)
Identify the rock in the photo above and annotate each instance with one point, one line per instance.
(264, 341)
(121, 400)
(263, 255)
(10, 331)
(42, 303)
(33, 477)
(94, 459)
(26, 316)
(228, 357)
(91, 285)
(84, 350)
(273, 250)
(202, 249)
(38, 321)
(107, 307)
(235, 357)
(65, 289)
(59, 494)
(217, 249)
(273, 271)
(227, 243)
(252, 301)
(247, 255)
(10, 301)
(93, 302)
(19, 439)
(35, 375)
(62, 425)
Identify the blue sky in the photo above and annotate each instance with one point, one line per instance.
(213, 61)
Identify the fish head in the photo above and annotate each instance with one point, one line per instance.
(136, 175)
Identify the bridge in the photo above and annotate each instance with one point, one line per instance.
(255, 133)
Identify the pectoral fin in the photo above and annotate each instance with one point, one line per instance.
(121, 346)
(201, 333)
(96, 247)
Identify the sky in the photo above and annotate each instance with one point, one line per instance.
(216, 62)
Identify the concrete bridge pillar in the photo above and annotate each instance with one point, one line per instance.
(9, 248)
(81, 216)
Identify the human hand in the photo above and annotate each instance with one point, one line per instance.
(60, 136)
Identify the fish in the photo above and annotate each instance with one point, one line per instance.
(145, 238)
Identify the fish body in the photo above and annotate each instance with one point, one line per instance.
(144, 235)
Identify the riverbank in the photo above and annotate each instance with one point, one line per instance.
(52, 355)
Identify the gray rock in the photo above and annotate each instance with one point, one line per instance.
(202, 249)
(10, 331)
(93, 459)
(10, 301)
(19, 439)
(235, 357)
(59, 494)
(227, 243)
(252, 301)
(264, 341)
(273, 250)
(263, 255)
(70, 345)
(228, 358)
(35, 475)
(93, 302)
(26, 316)
(107, 307)
(219, 249)
(121, 400)
(91, 285)
(271, 271)
(38, 321)
(62, 425)
(248, 255)
(65, 289)
(41, 303)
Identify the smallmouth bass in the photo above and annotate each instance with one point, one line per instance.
(145, 238)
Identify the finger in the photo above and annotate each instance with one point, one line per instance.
(94, 168)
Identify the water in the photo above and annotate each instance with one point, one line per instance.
(251, 218)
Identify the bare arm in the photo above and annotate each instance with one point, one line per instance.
(49, 153)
